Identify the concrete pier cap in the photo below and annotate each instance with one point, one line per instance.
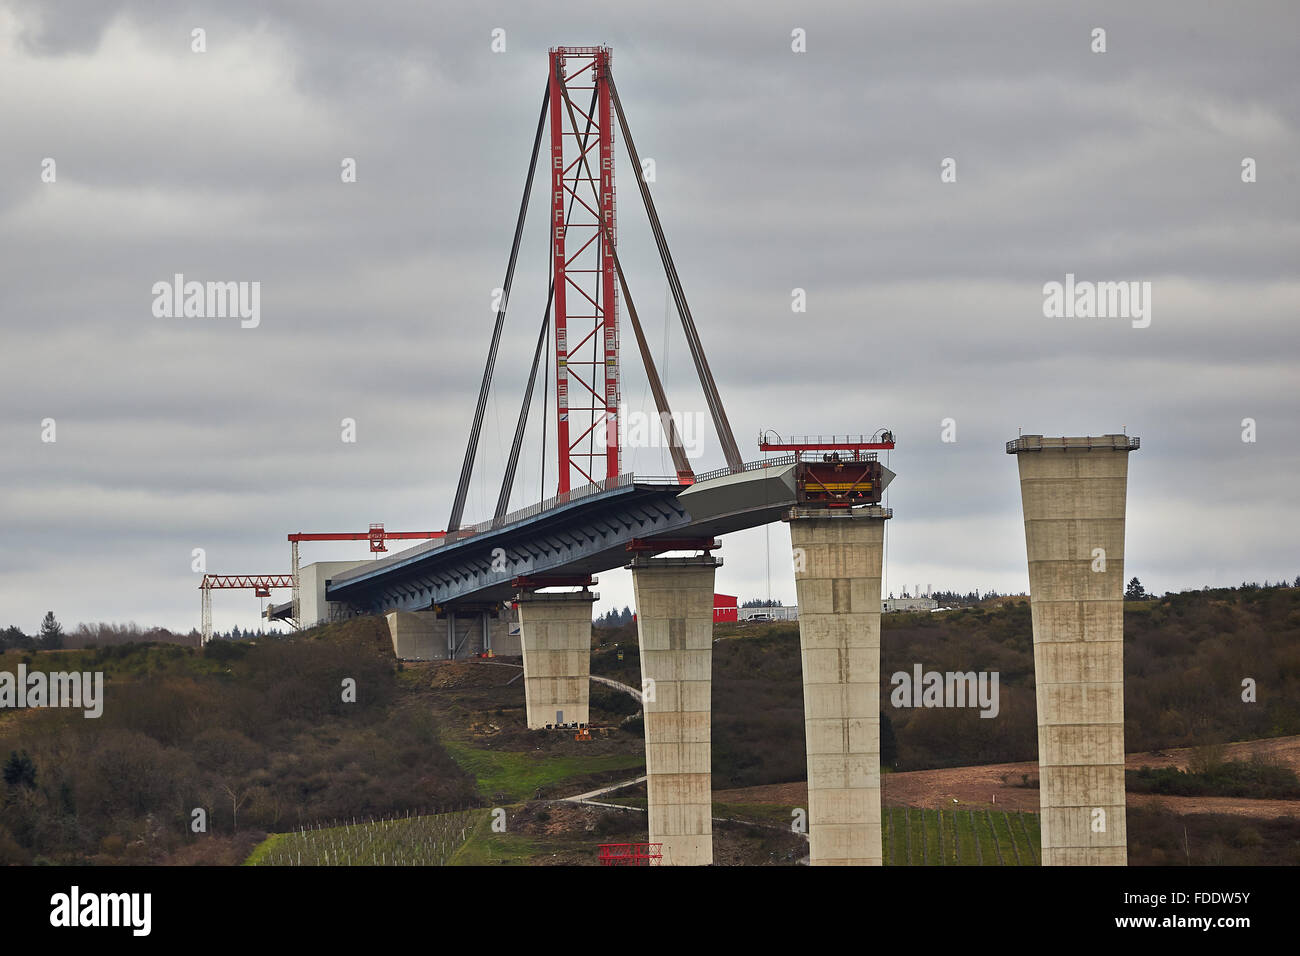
(1073, 493)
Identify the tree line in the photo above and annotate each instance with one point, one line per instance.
(48, 638)
(52, 636)
(614, 618)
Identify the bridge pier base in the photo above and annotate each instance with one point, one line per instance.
(837, 580)
(555, 634)
(674, 603)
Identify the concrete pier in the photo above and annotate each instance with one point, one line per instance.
(435, 636)
(674, 604)
(837, 579)
(555, 631)
(1073, 493)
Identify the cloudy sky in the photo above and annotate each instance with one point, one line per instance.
(775, 170)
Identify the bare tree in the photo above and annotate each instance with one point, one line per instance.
(237, 799)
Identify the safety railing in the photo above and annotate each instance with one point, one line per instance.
(1086, 442)
(829, 441)
(622, 481)
(575, 494)
(748, 466)
(844, 456)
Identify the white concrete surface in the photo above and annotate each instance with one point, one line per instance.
(674, 603)
(556, 636)
(839, 638)
(312, 579)
(1073, 493)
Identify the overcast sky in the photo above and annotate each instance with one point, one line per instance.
(775, 170)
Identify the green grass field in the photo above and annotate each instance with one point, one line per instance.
(486, 848)
(915, 837)
(518, 774)
(911, 837)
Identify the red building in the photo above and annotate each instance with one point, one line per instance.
(724, 609)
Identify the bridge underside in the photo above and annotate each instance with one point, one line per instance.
(585, 536)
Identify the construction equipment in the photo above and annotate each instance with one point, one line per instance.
(259, 584)
(839, 471)
(587, 281)
(377, 537)
(630, 854)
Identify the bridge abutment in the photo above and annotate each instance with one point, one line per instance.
(837, 580)
(674, 604)
(429, 635)
(555, 634)
(1073, 493)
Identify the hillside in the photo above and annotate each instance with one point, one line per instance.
(256, 734)
(1185, 656)
(259, 735)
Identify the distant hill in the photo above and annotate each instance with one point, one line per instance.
(260, 729)
(1185, 657)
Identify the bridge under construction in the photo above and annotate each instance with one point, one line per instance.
(466, 588)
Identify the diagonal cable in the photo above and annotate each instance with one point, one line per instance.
(467, 469)
(512, 465)
(711, 395)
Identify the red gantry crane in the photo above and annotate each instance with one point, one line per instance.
(376, 536)
(261, 584)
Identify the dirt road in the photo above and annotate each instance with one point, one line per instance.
(995, 785)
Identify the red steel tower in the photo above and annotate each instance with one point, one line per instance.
(582, 235)
(583, 102)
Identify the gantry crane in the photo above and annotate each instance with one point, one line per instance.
(376, 536)
(261, 584)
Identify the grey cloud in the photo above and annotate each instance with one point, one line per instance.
(775, 170)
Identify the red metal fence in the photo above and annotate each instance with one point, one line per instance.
(631, 854)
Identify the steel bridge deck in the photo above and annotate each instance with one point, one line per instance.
(583, 536)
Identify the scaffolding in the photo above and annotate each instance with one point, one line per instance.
(631, 854)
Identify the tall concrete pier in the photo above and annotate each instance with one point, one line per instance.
(837, 559)
(1073, 493)
(555, 632)
(674, 604)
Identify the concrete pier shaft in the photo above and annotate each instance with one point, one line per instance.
(555, 634)
(674, 606)
(837, 560)
(1073, 493)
